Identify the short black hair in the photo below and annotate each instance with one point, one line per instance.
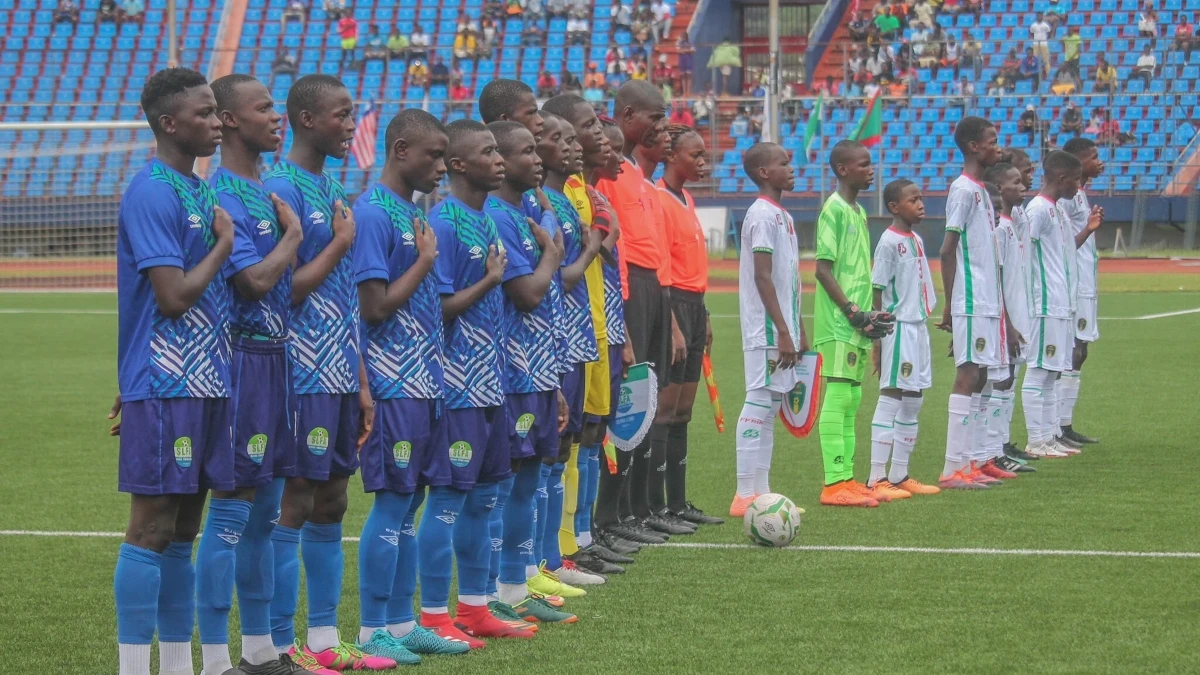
(1018, 156)
(756, 157)
(996, 171)
(970, 130)
(306, 93)
(892, 192)
(841, 150)
(500, 97)
(225, 89)
(639, 95)
(564, 105)
(409, 123)
(458, 132)
(993, 190)
(1058, 162)
(504, 130)
(1079, 145)
(162, 90)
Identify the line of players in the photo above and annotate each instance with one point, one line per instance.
(1022, 290)
(273, 341)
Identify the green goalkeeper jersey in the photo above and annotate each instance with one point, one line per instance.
(843, 239)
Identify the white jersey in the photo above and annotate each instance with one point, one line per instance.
(901, 272)
(1012, 241)
(969, 212)
(1087, 257)
(768, 228)
(1052, 273)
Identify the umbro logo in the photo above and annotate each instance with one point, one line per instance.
(231, 538)
(526, 545)
(264, 227)
(410, 532)
(195, 221)
(317, 218)
(409, 239)
(496, 544)
(391, 539)
(528, 245)
(476, 252)
(448, 518)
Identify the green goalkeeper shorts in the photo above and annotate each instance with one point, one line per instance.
(843, 360)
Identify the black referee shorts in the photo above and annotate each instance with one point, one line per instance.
(648, 321)
(688, 307)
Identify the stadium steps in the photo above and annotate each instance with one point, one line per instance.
(833, 60)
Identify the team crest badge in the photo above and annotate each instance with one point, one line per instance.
(771, 365)
(980, 343)
(978, 199)
(1082, 324)
(901, 248)
(402, 454)
(905, 369)
(851, 359)
(1050, 349)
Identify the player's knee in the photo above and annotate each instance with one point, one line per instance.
(563, 457)
(187, 527)
(330, 501)
(154, 534)
(683, 415)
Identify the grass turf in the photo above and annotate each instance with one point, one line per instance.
(698, 609)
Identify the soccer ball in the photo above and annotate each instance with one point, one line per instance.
(772, 520)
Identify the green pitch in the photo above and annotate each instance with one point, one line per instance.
(721, 606)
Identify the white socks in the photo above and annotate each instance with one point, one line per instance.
(882, 436)
(584, 539)
(399, 630)
(133, 659)
(511, 594)
(1068, 393)
(258, 649)
(904, 437)
(993, 414)
(216, 658)
(473, 600)
(755, 438)
(321, 638)
(1040, 404)
(979, 425)
(174, 657)
(1006, 411)
(958, 434)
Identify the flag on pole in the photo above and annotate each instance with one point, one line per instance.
(363, 145)
(870, 128)
(713, 394)
(814, 125)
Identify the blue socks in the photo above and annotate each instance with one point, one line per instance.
(496, 530)
(541, 518)
(434, 544)
(472, 540)
(404, 586)
(136, 583)
(177, 594)
(589, 481)
(554, 515)
(285, 542)
(518, 519)
(377, 555)
(321, 549)
(255, 561)
(215, 567)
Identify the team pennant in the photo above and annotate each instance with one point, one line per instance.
(635, 408)
(802, 404)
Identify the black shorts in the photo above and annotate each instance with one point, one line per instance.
(648, 321)
(688, 307)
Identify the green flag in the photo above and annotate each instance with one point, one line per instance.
(814, 125)
(870, 128)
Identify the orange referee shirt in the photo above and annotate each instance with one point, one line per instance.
(685, 240)
(641, 230)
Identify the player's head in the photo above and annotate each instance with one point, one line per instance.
(904, 201)
(321, 114)
(581, 115)
(976, 138)
(552, 146)
(181, 110)
(613, 160)
(851, 163)
(472, 155)
(1020, 159)
(1085, 149)
(686, 155)
(1007, 178)
(247, 111)
(571, 138)
(997, 202)
(770, 167)
(518, 147)
(510, 100)
(639, 108)
(416, 144)
(1062, 173)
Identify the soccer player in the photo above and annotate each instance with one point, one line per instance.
(1054, 277)
(267, 234)
(973, 313)
(173, 363)
(334, 409)
(842, 329)
(531, 367)
(769, 302)
(903, 360)
(465, 480)
(402, 326)
(504, 100)
(1087, 328)
(645, 278)
(686, 160)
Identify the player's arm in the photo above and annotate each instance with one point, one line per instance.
(175, 291)
(379, 299)
(527, 290)
(1094, 221)
(604, 218)
(765, 286)
(573, 273)
(876, 349)
(366, 419)
(456, 303)
(310, 276)
(956, 222)
(255, 281)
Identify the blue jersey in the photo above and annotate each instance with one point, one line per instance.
(531, 354)
(255, 233)
(554, 294)
(614, 302)
(324, 328)
(404, 353)
(577, 312)
(474, 371)
(166, 220)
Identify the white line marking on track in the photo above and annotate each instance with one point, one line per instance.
(13, 310)
(810, 548)
(1145, 317)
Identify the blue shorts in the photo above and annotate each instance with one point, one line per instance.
(532, 424)
(176, 446)
(572, 389)
(615, 352)
(264, 436)
(476, 451)
(326, 435)
(407, 433)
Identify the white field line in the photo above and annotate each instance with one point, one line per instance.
(1144, 317)
(14, 310)
(820, 549)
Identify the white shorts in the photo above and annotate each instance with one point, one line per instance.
(979, 340)
(1087, 328)
(761, 372)
(905, 360)
(1051, 344)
